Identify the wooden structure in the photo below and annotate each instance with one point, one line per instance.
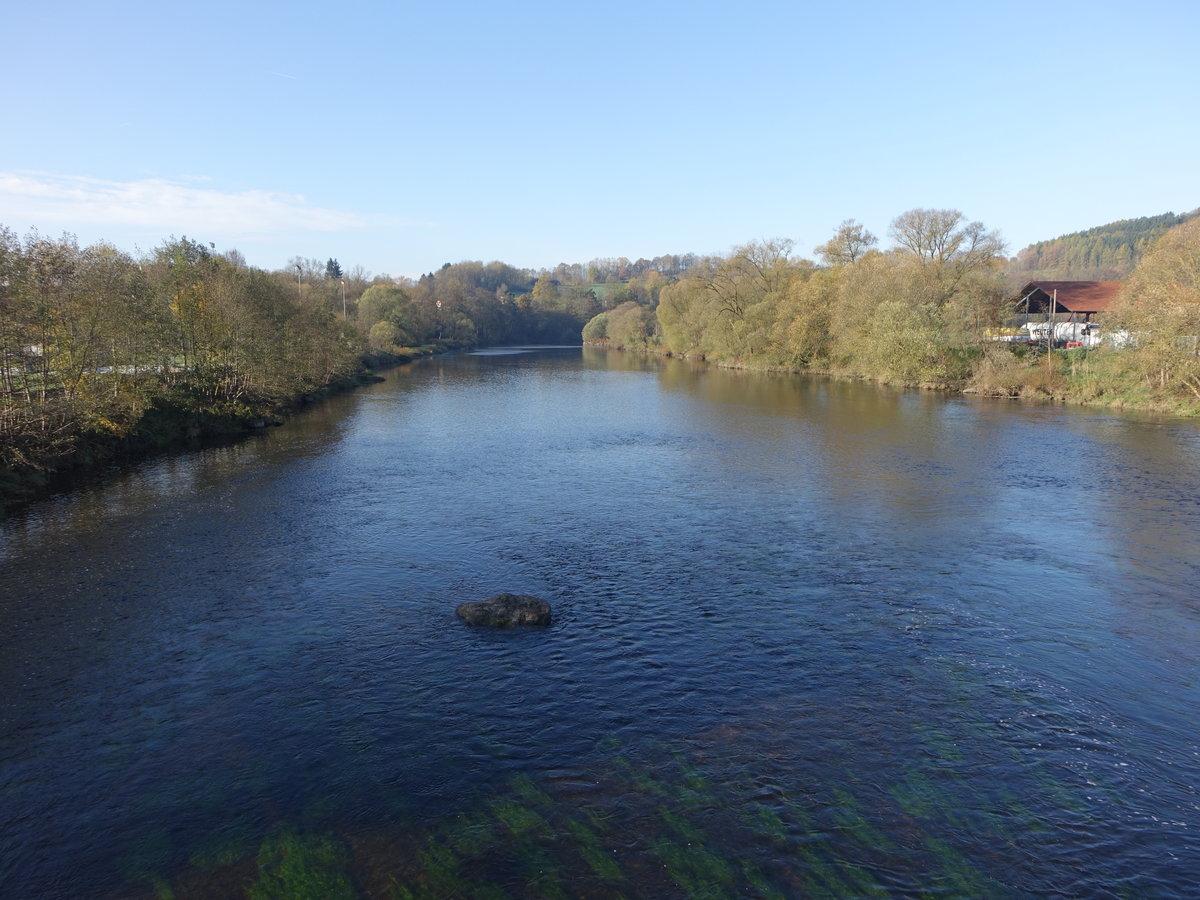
(1078, 301)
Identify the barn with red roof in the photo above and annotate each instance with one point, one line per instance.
(1081, 300)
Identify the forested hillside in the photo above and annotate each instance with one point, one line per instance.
(1105, 253)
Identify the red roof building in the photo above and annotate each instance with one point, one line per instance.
(1079, 299)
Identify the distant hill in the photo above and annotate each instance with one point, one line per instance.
(1105, 253)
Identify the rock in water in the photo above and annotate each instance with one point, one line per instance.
(506, 611)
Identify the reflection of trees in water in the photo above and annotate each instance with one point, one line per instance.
(912, 456)
(174, 475)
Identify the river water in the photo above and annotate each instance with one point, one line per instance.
(811, 638)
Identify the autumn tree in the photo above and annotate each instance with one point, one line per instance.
(753, 271)
(850, 243)
(630, 325)
(732, 308)
(959, 264)
(545, 293)
(403, 322)
(1160, 307)
(947, 247)
(15, 319)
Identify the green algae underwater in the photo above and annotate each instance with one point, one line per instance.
(704, 822)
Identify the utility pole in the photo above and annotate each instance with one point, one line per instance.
(1050, 332)
(343, 298)
(299, 294)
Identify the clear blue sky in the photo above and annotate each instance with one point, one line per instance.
(399, 136)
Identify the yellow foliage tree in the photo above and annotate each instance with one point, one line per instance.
(1160, 307)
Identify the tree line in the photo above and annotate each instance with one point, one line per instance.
(98, 347)
(926, 311)
(1104, 253)
(902, 315)
(101, 351)
(92, 341)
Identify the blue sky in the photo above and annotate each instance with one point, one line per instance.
(400, 136)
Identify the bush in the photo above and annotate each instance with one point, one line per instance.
(1000, 372)
(383, 335)
(631, 325)
(596, 329)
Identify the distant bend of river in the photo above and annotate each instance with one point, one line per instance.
(811, 638)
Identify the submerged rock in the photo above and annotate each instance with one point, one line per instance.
(506, 611)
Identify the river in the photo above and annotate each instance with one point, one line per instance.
(811, 638)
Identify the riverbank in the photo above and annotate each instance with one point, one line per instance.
(174, 420)
(1072, 377)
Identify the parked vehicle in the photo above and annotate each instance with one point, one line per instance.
(1062, 334)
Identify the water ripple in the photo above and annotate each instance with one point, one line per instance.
(810, 639)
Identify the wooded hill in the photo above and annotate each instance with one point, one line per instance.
(1104, 253)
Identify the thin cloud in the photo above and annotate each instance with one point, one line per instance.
(71, 201)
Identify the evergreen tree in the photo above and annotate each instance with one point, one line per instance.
(1107, 252)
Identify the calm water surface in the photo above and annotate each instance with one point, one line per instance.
(811, 639)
